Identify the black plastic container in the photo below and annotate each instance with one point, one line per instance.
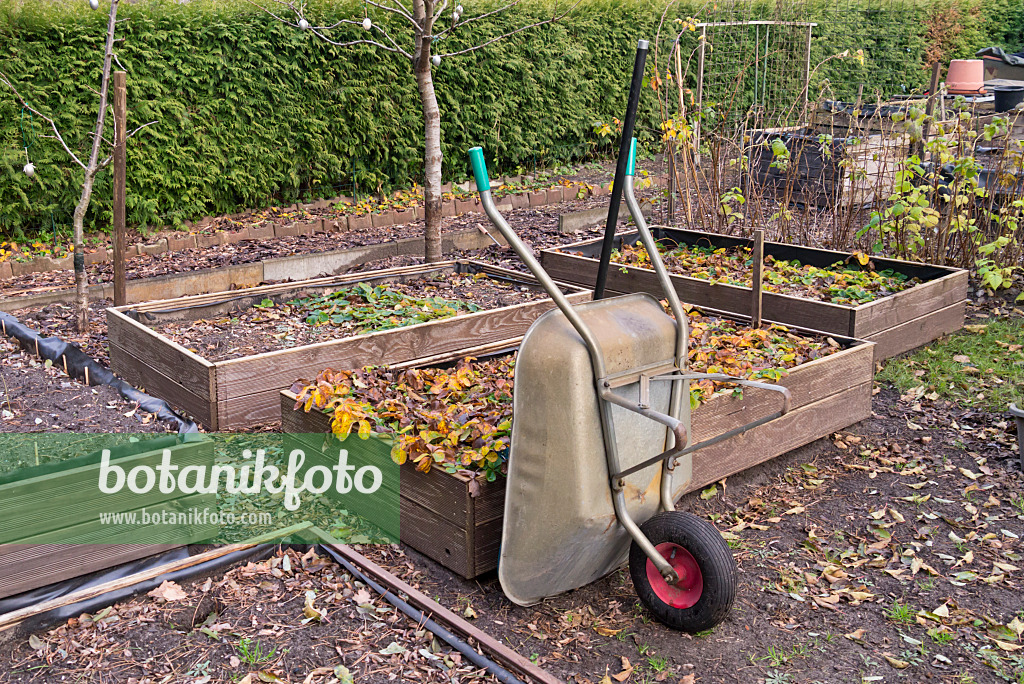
(1008, 97)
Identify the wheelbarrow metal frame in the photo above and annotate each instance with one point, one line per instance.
(671, 370)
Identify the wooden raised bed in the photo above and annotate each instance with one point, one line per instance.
(457, 522)
(243, 392)
(52, 527)
(896, 323)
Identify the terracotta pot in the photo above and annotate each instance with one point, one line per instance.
(966, 77)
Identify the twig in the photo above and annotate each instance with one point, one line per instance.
(56, 132)
(512, 33)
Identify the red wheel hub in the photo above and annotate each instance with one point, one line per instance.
(684, 593)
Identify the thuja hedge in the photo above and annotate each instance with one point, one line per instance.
(251, 112)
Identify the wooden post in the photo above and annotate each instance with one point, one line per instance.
(757, 252)
(120, 175)
(929, 109)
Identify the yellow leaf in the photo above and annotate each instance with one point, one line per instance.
(606, 631)
(364, 429)
(1007, 646)
(856, 635)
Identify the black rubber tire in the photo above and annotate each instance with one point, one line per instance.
(714, 558)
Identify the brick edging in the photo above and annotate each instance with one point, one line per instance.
(171, 242)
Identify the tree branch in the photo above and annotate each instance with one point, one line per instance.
(511, 33)
(56, 132)
(481, 16)
(364, 41)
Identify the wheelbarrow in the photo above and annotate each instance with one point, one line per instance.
(601, 449)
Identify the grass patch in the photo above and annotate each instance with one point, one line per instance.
(981, 366)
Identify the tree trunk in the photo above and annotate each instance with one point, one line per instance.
(92, 167)
(431, 154)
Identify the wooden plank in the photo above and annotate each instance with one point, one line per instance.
(824, 316)
(58, 563)
(195, 401)
(98, 590)
(59, 500)
(807, 383)
(795, 429)
(205, 305)
(920, 331)
(435, 537)
(279, 369)
(159, 353)
(889, 312)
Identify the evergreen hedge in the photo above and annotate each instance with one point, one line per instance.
(252, 112)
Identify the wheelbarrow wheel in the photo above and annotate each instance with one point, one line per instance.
(707, 572)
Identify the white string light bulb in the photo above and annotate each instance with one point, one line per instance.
(367, 24)
(30, 169)
(94, 4)
(436, 60)
(303, 24)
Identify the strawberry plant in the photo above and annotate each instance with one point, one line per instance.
(854, 282)
(364, 308)
(460, 418)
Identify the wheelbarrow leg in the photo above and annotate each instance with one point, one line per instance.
(640, 539)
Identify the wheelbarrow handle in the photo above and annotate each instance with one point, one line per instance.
(483, 184)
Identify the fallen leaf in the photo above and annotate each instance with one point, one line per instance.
(35, 643)
(394, 648)
(896, 662)
(469, 612)
(961, 358)
(606, 631)
(856, 635)
(627, 671)
(168, 591)
(1007, 646)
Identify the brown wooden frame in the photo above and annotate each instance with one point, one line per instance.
(457, 522)
(896, 323)
(243, 392)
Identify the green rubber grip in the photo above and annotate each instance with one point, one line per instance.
(631, 164)
(476, 159)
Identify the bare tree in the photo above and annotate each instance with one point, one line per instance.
(92, 165)
(423, 17)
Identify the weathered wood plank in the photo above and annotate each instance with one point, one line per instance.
(160, 354)
(824, 316)
(920, 331)
(56, 563)
(795, 429)
(278, 369)
(928, 297)
(59, 500)
(194, 401)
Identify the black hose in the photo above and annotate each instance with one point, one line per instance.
(83, 367)
(97, 603)
(481, 661)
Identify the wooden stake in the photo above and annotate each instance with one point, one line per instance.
(757, 252)
(122, 582)
(120, 177)
(933, 88)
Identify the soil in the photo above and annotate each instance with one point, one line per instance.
(36, 397)
(255, 623)
(284, 325)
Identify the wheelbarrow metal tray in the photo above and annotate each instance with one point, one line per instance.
(896, 323)
(457, 522)
(243, 392)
